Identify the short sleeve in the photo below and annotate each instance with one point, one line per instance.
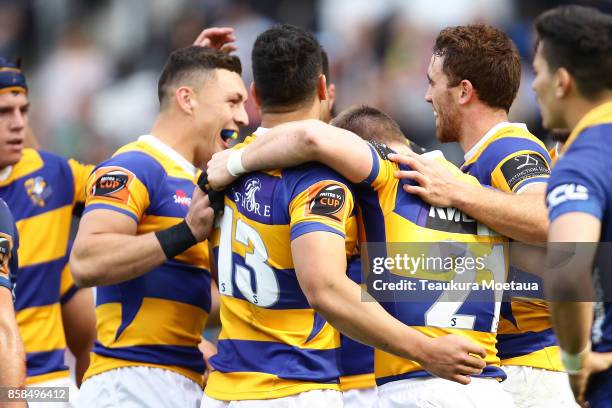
(80, 175)
(320, 201)
(578, 183)
(382, 168)
(123, 184)
(513, 163)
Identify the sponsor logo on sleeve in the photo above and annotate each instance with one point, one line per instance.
(112, 182)
(523, 167)
(328, 199)
(567, 192)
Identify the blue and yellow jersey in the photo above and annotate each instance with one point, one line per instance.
(580, 182)
(389, 215)
(356, 359)
(509, 158)
(42, 190)
(156, 319)
(272, 343)
(9, 242)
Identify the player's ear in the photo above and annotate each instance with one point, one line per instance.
(322, 88)
(331, 95)
(255, 96)
(466, 92)
(563, 83)
(185, 100)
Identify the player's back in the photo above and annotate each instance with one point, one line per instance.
(272, 343)
(389, 216)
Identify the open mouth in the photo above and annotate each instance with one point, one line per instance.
(227, 135)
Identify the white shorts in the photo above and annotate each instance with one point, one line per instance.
(435, 392)
(360, 398)
(538, 388)
(307, 399)
(139, 386)
(58, 382)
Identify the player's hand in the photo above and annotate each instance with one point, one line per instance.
(452, 357)
(209, 350)
(200, 215)
(221, 38)
(435, 184)
(218, 175)
(593, 363)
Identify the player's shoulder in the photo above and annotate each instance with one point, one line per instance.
(138, 159)
(311, 172)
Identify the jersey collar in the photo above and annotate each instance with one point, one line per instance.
(5, 173)
(170, 153)
(490, 133)
(596, 116)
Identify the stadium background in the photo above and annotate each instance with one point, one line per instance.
(93, 65)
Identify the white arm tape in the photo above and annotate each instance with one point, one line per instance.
(234, 163)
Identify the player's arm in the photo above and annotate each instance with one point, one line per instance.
(108, 251)
(294, 143)
(79, 319)
(12, 363)
(320, 264)
(520, 216)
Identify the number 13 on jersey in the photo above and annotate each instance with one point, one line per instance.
(251, 274)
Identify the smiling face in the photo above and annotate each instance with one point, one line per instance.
(219, 104)
(545, 87)
(13, 126)
(440, 96)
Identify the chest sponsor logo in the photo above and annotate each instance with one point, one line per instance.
(180, 197)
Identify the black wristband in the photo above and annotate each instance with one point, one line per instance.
(176, 239)
(216, 198)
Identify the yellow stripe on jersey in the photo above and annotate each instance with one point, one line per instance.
(357, 382)
(183, 323)
(41, 333)
(40, 247)
(272, 325)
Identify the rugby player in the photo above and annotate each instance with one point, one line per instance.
(43, 190)
(357, 381)
(474, 76)
(280, 250)
(12, 363)
(141, 239)
(573, 83)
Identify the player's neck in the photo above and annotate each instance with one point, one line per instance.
(401, 148)
(579, 107)
(271, 119)
(476, 125)
(175, 135)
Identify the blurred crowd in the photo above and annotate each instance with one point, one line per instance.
(93, 65)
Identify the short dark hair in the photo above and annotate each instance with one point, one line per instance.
(578, 39)
(485, 56)
(370, 124)
(183, 63)
(286, 66)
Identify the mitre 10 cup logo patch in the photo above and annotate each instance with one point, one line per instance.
(112, 182)
(327, 198)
